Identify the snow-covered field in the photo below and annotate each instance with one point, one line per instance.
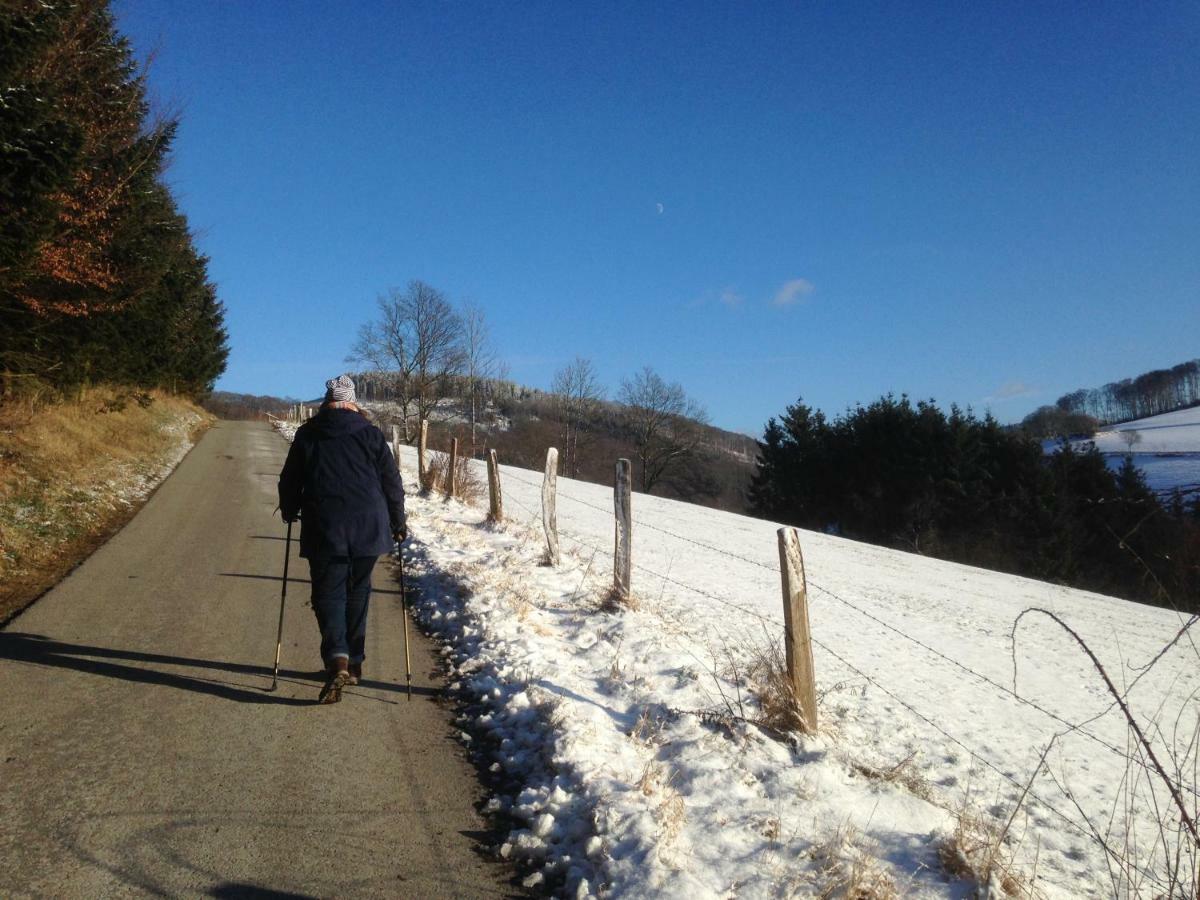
(641, 776)
(1174, 432)
(1166, 448)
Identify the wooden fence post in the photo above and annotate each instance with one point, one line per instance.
(623, 506)
(453, 467)
(422, 439)
(495, 501)
(549, 515)
(797, 637)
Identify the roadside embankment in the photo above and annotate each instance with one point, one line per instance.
(72, 473)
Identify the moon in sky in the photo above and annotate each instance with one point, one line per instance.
(659, 206)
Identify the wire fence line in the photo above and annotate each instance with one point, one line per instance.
(975, 755)
(664, 578)
(1010, 693)
(777, 627)
(1026, 790)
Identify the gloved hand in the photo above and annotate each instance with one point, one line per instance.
(294, 517)
(400, 535)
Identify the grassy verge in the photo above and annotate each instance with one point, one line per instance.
(72, 473)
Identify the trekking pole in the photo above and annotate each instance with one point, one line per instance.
(287, 552)
(404, 611)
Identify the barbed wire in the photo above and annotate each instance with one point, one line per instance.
(641, 523)
(912, 710)
(1073, 727)
(1075, 826)
(815, 640)
(687, 587)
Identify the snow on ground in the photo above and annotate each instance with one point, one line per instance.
(914, 663)
(1166, 448)
(1173, 432)
(627, 729)
(1164, 472)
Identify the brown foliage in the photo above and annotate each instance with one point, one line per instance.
(468, 486)
(76, 269)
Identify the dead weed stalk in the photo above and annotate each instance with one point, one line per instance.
(468, 486)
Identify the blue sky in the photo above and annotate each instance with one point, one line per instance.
(987, 204)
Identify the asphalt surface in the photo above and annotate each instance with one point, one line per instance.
(140, 754)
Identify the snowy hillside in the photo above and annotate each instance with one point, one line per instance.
(626, 737)
(1174, 432)
(916, 677)
(1166, 448)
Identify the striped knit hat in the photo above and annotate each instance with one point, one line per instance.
(340, 390)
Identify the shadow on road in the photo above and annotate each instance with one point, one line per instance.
(291, 580)
(235, 891)
(40, 650)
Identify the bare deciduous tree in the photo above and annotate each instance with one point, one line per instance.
(418, 337)
(577, 394)
(1132, 437)
(479, 360)
(666, 425)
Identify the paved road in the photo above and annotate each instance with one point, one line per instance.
(141, 756)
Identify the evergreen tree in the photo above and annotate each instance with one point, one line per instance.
(99, 279)
(964, 488)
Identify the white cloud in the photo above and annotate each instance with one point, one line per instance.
(793, 292)
(1009, 391)
(731, 298)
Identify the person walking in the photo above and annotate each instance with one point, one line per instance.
(342, 483)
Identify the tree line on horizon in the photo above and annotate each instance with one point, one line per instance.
(100, 278)
(1149, 394)
(963, 488)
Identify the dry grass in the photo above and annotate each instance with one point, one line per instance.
(613, 600)
(73, 439)
(68, 477)
(468, 486)
(849, 871)
(767, 678)
(670, 812)
(975, 852)
(648, 728)
(904, 773)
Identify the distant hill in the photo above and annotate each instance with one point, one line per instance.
(520, 422)
(227, 405)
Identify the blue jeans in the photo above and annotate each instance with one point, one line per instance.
(341, 592)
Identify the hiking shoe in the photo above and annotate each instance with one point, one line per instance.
(332, 692)
(355, 673)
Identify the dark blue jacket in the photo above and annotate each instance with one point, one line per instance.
(341, 478)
